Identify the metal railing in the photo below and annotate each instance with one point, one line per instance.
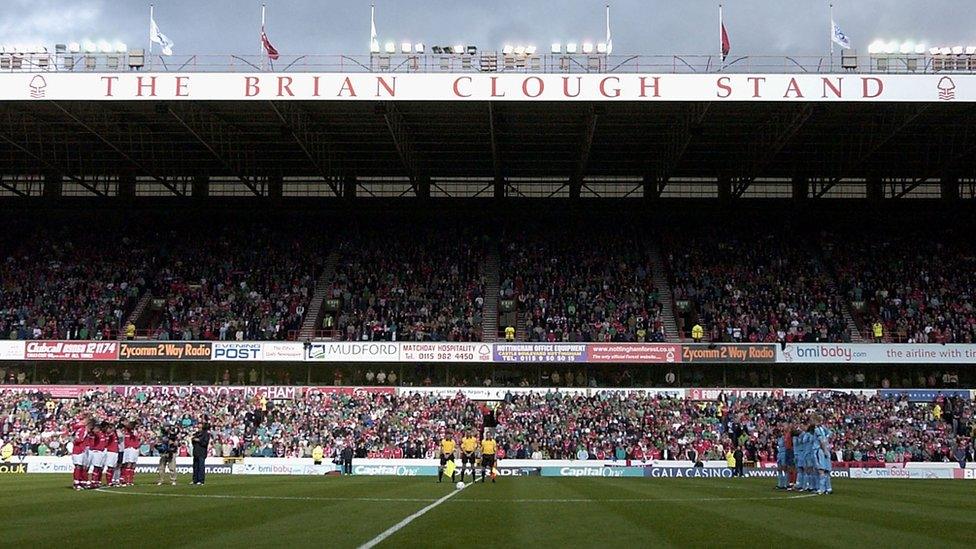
(489, 62)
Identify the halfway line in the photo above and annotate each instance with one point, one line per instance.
(400, 525)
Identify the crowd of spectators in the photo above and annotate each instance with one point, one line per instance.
(749, 284)
(232, 281)
(549, 425)
(244, 282)
(423, 285)
(921, 287)
(588, 284)
(60, 283)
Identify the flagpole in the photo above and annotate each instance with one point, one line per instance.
(609, 37)
(372, 27)
(830, 36)
(264, 60)
(150, 37)
(720, 44)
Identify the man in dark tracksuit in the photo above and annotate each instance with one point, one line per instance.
(346, 457)
(201, 442)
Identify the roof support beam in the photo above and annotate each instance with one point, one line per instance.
(775, 134)
(397, 126)
(212, 133)
(11, 188)
(125, 155)
(496, 161)
(298, 122)
(684, 131)
(583, 161)
(25, 143)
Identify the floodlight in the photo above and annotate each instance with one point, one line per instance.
(90, 47)
(436, 49)
(587, 47)
(934, 51)
(957, 50)
(571, 47)
(906, 48)
(891, 47)
(418, 47)
(601, 48)
(530, 50)
(970, 50)
(556, 48)
(406, 47)
(104, 46)
(472, 50)
(946, 50)
(459, 48)
(390, 47)
(519, 50)
(920, 49)
(508, 49)
(876, 47)
(120, 47)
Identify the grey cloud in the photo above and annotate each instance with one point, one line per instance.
(757, 27)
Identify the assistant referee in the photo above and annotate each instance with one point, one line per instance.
(488, 449)
(448, 447)
(469, 447)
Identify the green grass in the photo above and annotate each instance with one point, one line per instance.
(244, 511)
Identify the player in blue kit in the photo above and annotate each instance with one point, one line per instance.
(799, 442)
(784, 456)
(823, 457)
(808, 460)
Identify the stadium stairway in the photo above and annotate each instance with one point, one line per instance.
(136, 315)
(489, 317)
(852, 326)
(661, 281)
(313, 316)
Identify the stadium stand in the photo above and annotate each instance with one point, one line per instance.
(592, 284)
(919, 286)
(246, 282)
(749, 283)
(64, 282)
(426, 285)
(539, 426)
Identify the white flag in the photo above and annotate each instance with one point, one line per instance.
(157, 37)
(374, 44)
(839, 37)
(609, 36)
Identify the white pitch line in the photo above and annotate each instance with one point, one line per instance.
(234, 496)
(400, 525)
(463, 500)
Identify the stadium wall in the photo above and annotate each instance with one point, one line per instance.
(497, 353)
(283, 392)
(527, 467)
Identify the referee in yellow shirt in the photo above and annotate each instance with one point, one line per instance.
(488, 449)
(469, 447)
(448, 447)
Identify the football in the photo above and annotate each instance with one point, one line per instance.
(459, 486)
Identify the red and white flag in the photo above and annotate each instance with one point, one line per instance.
(726, 45)
(268, 47)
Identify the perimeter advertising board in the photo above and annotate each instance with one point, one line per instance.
(176, 350)
(72, 350)
(877, 353)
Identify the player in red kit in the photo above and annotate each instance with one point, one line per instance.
(79, 450)
(130, 453)
(98, 453)
(111, 452)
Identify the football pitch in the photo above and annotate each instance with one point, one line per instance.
(265, 511)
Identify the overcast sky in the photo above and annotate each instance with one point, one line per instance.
(792, 27)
